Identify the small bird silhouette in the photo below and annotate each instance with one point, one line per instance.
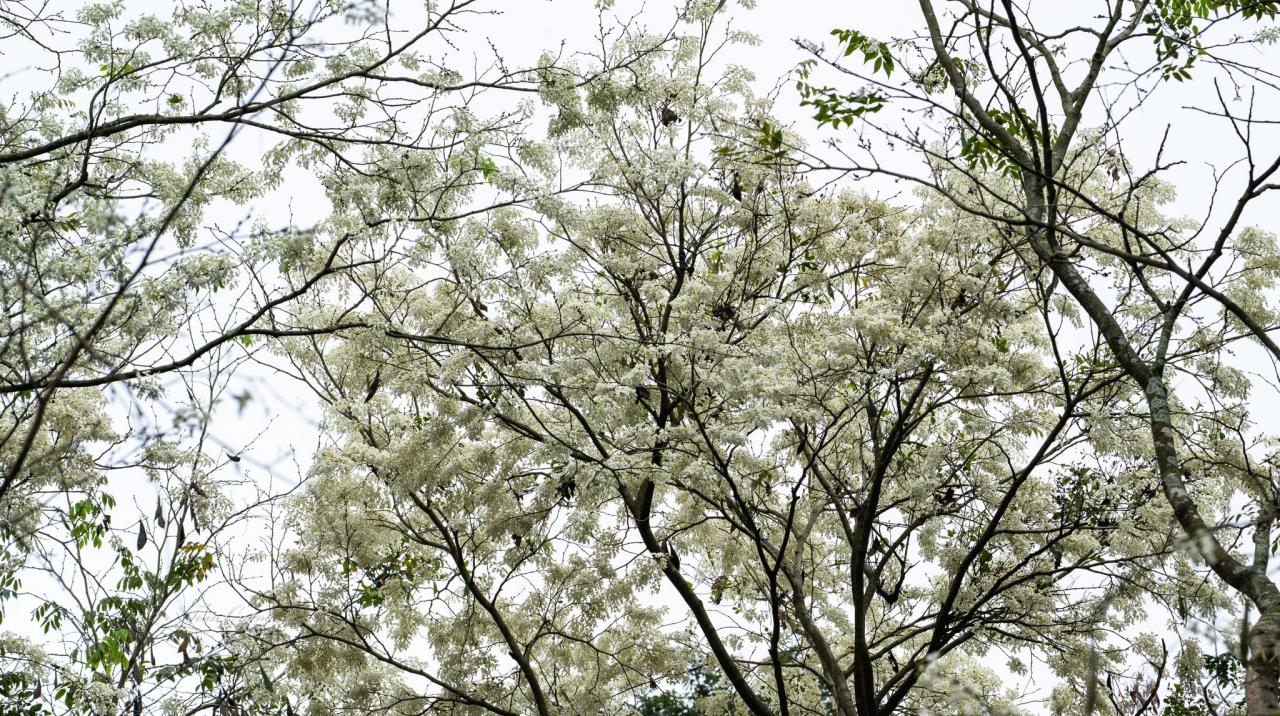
(373, 385)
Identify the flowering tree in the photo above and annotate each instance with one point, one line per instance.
(1035, 135)
(844, 443)
(626, 408)
(140, 268)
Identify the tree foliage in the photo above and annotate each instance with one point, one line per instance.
(633, 401)
(1175, 301)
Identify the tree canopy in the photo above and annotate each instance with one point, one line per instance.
(929, 380)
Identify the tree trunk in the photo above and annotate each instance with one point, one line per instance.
(1262, 673)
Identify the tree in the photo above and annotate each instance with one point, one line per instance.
(1032, 137)
(130, 299)
(845, 439)
(627, 408)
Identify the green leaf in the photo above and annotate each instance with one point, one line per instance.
(834, 108)
(116, 73)
(874, 52)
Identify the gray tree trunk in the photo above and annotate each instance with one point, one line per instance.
(1262, 674)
